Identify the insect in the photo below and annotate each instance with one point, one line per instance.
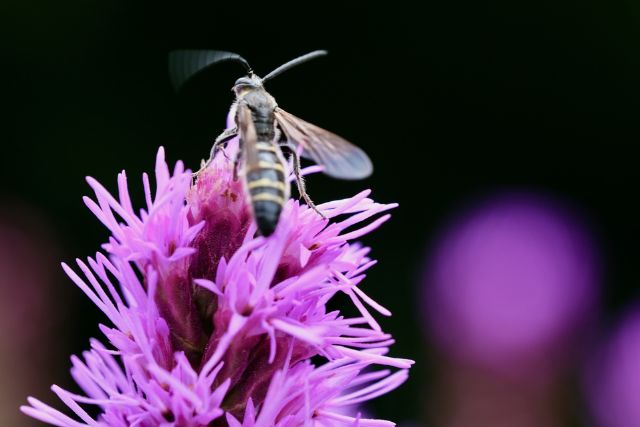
(264, 128)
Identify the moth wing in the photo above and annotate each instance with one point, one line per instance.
(248, 136)
(340, 158)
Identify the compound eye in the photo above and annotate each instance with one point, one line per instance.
(244, 81)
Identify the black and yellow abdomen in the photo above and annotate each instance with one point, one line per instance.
(266, 185)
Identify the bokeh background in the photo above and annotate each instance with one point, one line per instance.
(507, 131)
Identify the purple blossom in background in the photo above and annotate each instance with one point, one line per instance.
(511, 283)
(29, 321)
(613, 375)
(211, 325)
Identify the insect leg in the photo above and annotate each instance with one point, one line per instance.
(300, 181)
(221, 139)
(236, 161)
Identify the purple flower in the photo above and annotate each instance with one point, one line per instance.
(211, 325)
(512, 285)
(612, 373)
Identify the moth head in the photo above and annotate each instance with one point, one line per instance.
(246, 84)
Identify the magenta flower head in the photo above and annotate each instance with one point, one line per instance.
(612, 376)
(510, 281)
(211, 325)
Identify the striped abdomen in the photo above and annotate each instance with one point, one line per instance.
(266, 184)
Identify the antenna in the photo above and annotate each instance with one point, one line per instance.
(184, 64)
(297, 61)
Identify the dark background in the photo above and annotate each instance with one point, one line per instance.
(452, 101)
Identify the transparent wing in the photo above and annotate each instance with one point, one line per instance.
(184, 64)
(340, 158)
(248, 136)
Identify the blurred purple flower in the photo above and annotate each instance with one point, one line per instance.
(28, 321)
(613, 376)
(510, 282)
(213, 323)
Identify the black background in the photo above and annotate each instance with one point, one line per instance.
(452, 100)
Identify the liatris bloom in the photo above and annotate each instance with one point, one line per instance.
(515, 281)
(212, 326)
